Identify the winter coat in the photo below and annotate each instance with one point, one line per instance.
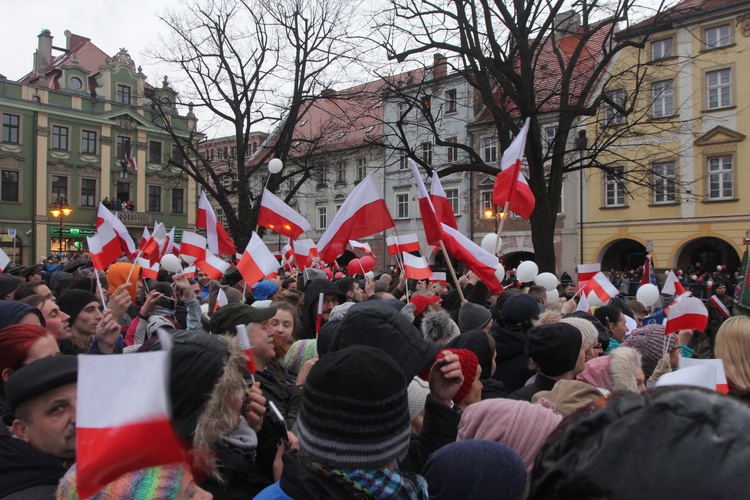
(27, 473)
(512, 362)
(309, 314)
(540, 383)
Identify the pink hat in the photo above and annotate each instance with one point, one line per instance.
(597, 373)
(519, 424)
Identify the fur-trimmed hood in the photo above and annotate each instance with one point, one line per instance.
(614, 372)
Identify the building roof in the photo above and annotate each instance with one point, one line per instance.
(682, 12)
(82, 53)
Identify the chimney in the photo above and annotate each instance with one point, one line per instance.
(439, 66)
(43, 52)
(566, 23)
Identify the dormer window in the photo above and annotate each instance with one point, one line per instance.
(123, 94)
(75, 83)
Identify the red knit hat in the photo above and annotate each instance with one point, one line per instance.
(469, 363)
(421, 302)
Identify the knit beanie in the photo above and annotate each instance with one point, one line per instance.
(74, 301)
(421, 302)
(650, 341)
(469, 363)
(355, 412)
(477, 342)
(554, 347)
(472, 316)
(438, 327)
(520, 309)
(299, 352)
(418, 390)
(161, 482)
(263, 290)
(587, 329)
(493, 470)
(11, 312)
(519, 424)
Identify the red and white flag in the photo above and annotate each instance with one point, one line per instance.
(304, 252)
(257, 261)
(442, 204)
(511, 186)
(133, 164)
(127, 426)
(246, 347)
(716, 373)
(362, 247)
(149, 270)
(279, 217)
(126, 242)
(193, 245)
(212, 266)
(415, 267)
(190, 272)
(430, 220)
(672, 285)
(170, 242)
(586, 272)
(104, 246)
(402, 243)
(287, 254)
(687, 314)
(476, 258)
(362, 214)
(221, 299)
(439, 277)
(583, 303)
(217, 239)
(154, 247)
(718, 304)
(144, 237)
(602, 287)
(4, 260)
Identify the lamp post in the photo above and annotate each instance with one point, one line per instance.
(581, 145)
(60, 210)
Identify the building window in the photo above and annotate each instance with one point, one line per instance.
(59, 191)
(220, 154)
(75, 83)
(322, 176)
(451, 152)
(154, 199)
(154, 152)
(322, 217)
(450, 101)
(123, 94)
(615, 187)
(9, 188)
(611, 115)
(452, 195)
(341, 172)
(123, 191)
(665, 182)
(11, 127)
(233, 152)
(720, 178)
(123, 147)
(427, 152)
(178, 201)
(176, 155)
(361, 168)
(661, 49)
(488, 207)
(88, 192)
(88, 142)
(402, 110)
(59, 137)
(719, 87)
(662, 94)
(402, 205)
(403, 162)
(549, 136)
(489, 148)
(720, 36)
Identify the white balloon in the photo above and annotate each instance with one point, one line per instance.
(647, 294)
(548, 280)
(718, 268)
(552, 295)
(188, 258)
(275, 166)
(171, 263)
(500, 273)
(593, 299)
(370, 275)
(490, 240)
(527, 271)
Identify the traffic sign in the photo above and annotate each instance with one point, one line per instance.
(12, 233)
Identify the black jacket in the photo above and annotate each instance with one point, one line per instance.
(540, 383)
(287, 399)
(24, 469)
(308, 316)
(512, 362)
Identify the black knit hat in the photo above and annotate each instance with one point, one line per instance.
(355, 410)
(520, 309)
(11, 312)
(73, 301)
(40, 377)
(554, 347)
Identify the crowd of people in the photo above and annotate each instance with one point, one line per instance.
(386, 388)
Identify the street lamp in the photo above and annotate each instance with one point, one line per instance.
(61, 210)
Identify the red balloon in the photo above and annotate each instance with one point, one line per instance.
(353, 267)
(368, 263)
(700, 280)
(338, 275)
(328, 272)
(724, 267)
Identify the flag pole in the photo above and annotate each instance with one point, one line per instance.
(99, 286)
(453, 272)
(130, 273)
(503, 216)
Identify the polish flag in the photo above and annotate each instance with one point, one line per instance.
(133, 164)
(176, 250)
(287, 254)
(718, 304)
(304, 252)
(716, 367)
(4, 260)
(602, 287)
(442, 205)
(125, 427)
(170, 242)
(145, 237)
(217, 238)
(257, 261)
(104, 246)
(221, 299)
(586, 272)
(193, 245)
(246, 347)
(672, 285)
(212, 265)
(511, 186)
(149, 270)
(362, 214)
(476, 258)
(439, 277)
(430, 220)
(687, 314)
(583, 303)
(416, 267)
(278, 216)
(363, 247)
(190, 272)
(154, 247)
(126, 242)
(402, 243)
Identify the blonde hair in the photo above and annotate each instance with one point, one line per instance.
(732, 346)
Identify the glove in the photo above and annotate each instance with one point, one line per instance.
(661, 368)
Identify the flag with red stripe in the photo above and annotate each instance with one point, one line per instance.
(217, 239)
(402, 243)
(362, 247)
(440, 201)
(602, 287)
(279, 217)
(257, 261)
(672, 285)
(687, 314)
(511, 186)
(104, 246)
(304, 252)
(150, 271)
(476, 258)
(415, 267)
(212, 266)
(126, 242)
(587, 271)
(193, 245)
(430, 220)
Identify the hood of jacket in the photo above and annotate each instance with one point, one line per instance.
(313, 291)
(508, 343)
(118, 273)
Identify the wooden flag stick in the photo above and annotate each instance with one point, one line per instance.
(453, 272)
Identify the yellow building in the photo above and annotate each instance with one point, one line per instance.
(674, 128)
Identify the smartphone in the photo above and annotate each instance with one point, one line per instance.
(277, 423)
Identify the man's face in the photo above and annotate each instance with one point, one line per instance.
(570, 290)
(34, 277)
(56, 320)
(356, 293)
(261, 338)
(50, 422)
(330, 300)
(435, 306)
(196, 289)
(44, 291)
(88, 318)
(203, 278)
(292, 286)
(721, 290)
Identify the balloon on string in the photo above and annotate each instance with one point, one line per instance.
(593, 299)
(171, 263)
(328, 272)
(370, 275)
(354, 267)
(647, 294)
(553, 295)
(275, 166)
(490, 242)
(338, 275)
(500, 273)
(718, 268)
(188, 258)
(368, 263)
(548, 280)
(527, 271)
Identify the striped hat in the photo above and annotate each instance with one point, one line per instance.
(355, 412)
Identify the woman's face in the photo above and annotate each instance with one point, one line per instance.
(619, 329)
(282, 325)
(45, 347)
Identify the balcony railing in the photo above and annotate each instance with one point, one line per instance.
(134, 218)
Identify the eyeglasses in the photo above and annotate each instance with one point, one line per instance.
(598, 347)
